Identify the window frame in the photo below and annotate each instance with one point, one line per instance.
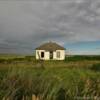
(58, 54)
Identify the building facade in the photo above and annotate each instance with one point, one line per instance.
(50, 51)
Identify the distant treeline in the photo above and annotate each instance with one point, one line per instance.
(79, 58)
(17, 59)
(32, 58)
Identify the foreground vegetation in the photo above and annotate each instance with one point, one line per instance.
(51, 80)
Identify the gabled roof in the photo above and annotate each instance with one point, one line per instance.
(50, 46)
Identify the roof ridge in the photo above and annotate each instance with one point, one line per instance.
(50, 46)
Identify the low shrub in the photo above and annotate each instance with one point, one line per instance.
(95, 67)
(2, 60)
(80, 58)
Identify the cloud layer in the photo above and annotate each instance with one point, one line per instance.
(26, 24)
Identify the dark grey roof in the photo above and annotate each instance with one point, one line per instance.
(50, 46)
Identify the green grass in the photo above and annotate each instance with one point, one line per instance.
(6, 58)
(10, 56)
(56, 80)
(81, 58)
(48, 82)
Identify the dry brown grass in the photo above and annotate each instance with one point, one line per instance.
(52, 64)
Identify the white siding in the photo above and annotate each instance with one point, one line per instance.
(62, 55)
(38, 54)
(47, 55)
(54, 55)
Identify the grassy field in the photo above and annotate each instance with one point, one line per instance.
(76, 78)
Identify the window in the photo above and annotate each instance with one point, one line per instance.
(58, 54)
(51, 54)
(42, 54)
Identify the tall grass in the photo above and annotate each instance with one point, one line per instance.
(64, 80)
(49, 83)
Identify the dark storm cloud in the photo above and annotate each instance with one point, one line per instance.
(25, 24)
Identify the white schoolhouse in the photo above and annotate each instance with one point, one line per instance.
(50, 51)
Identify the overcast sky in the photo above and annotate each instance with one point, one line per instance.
(25, 24)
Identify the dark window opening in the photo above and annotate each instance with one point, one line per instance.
(51, 54)
(42, 54)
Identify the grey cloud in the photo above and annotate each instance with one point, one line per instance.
(25, 24)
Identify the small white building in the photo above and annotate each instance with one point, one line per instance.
(50, 51)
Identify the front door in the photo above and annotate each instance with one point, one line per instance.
(51, 54)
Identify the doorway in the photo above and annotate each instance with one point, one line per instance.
(42, 54)
(51, 54)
